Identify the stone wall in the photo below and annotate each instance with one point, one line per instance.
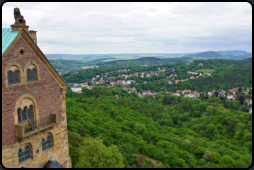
(49, 98)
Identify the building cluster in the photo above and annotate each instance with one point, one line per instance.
(89, 67)
(191, 77)
(233, 95)
(146, 93)
(186, 93)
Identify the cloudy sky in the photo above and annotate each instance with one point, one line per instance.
(136, 27)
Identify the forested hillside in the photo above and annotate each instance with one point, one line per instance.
(179, 132)
(224, 79)
(233, 55)
(144, 61)
(218, 63)
(226, 74)
(207, 54)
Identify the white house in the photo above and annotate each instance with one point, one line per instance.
(76, 89)
(210, 93)
(230, 96)
(191, 95)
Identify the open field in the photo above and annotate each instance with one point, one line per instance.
(118, 58)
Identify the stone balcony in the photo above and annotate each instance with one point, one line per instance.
(26, 129)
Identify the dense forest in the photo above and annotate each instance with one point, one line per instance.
(106, 131)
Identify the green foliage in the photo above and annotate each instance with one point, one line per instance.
(159, 165)
(158, 131)
(94, 154)
(215, 157)
(140, 128)
(197, 114)
(227, 162)
(148, 161)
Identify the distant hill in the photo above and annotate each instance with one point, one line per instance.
(144, 61)
(231, 55)
(207, 54)
(219, 63)
(233, 52)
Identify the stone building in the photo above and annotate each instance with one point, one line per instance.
(34, 125)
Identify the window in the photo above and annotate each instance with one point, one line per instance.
(25, 114)
(24, 154)
(13, 77)
(46, 143)
(34, 73)
(31, 74)
(19, 114)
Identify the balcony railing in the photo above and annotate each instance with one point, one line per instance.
(27, 128)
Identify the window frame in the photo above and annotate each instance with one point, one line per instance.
(25, 113)
(13, 78)
(45, 143)
(19, 115)
(29, 75)
(16, 76)
(34, 74)
(23, 153)
(10, 74)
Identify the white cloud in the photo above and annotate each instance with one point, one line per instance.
(82, 28)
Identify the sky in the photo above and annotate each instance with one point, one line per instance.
(135, 27)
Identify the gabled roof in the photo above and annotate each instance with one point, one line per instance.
(7, 38)
(12, 39)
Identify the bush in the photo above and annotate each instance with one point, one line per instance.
(227, 162)
(215, 157)
(197, 114)
(94, 154)
(148, 161)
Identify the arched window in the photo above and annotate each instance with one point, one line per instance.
(10, 77)
(34, 74)
(13, 77)
(29, 75)
(25, 112)
(19, 115)
(46, 143)
(24, 154)
(16, 75)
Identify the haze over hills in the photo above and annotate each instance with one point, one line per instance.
(235, 54)
(207, 54)
(70, 61)
(144, 61)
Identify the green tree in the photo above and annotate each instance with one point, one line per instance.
(159, 165)
(197, 114)
(226, 162)
(140, 128)
(94, 154)
(148, 161)
(240, 89)
(215, 157)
